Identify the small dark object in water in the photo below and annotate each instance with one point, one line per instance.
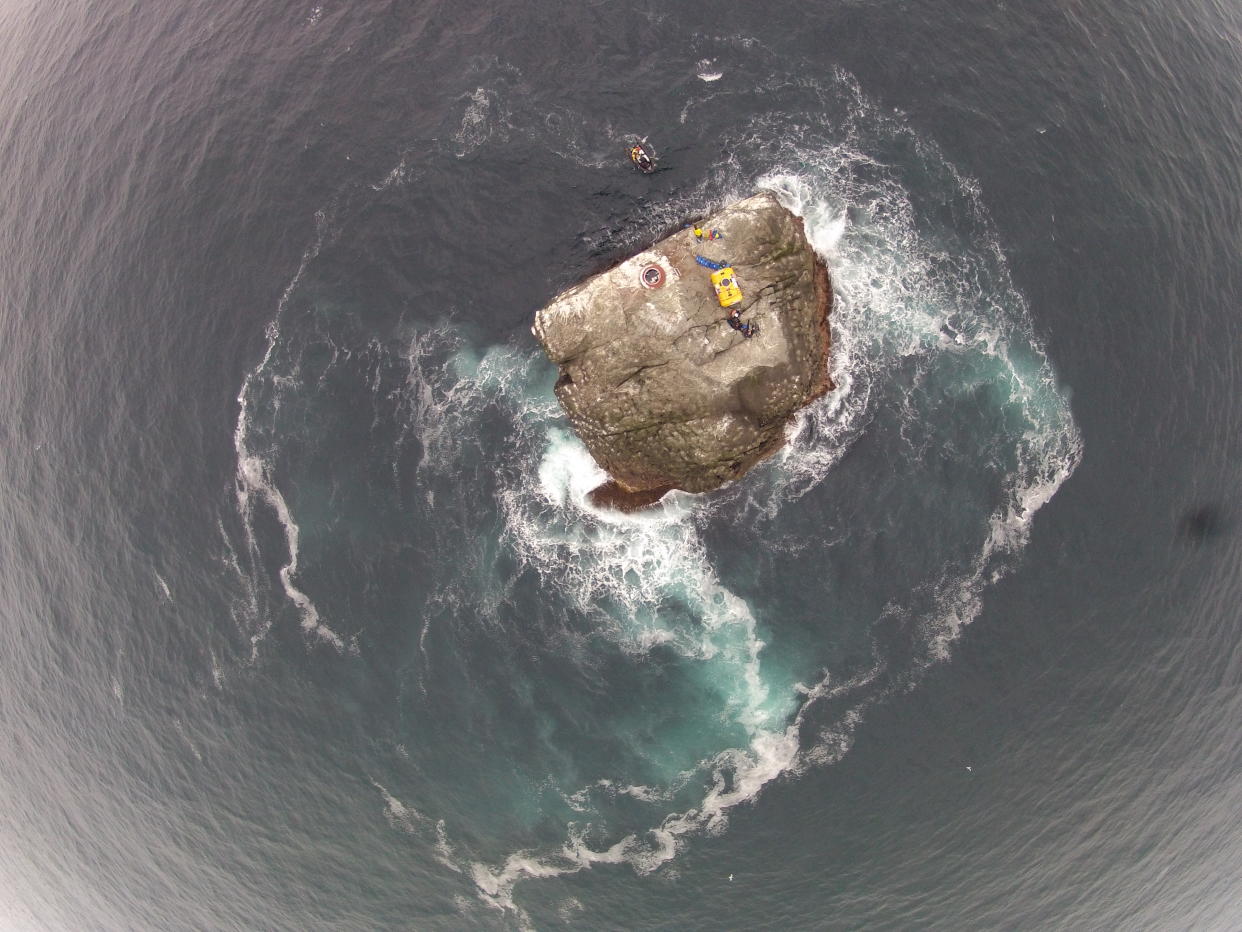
(1203, 522)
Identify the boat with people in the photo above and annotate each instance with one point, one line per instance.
(643, 156)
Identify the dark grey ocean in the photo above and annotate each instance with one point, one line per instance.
(305, 622)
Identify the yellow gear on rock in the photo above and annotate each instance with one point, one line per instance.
(727, 291)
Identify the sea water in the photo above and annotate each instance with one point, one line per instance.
(309, 621)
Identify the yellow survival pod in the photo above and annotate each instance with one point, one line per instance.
(725, 283)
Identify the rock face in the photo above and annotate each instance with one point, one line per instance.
(662, 390)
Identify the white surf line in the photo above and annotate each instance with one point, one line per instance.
(254, 473)
(773, 754)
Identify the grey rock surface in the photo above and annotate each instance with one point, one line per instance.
(663, 392)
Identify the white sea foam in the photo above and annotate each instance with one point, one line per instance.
(707, 72)
(637, 562)
(482, 119)
(179, 727)
(217, 674)
(410, 821)
(255, 482)
(246, 609)
(399, 815)
(444, 851)
(568, 908)
(398, 175)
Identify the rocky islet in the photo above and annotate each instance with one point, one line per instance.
(664, 389)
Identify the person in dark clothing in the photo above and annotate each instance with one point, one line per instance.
(735, 321)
